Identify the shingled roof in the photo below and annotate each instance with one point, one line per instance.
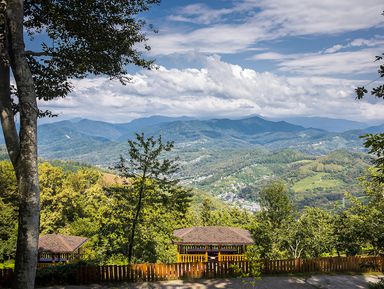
(213, 235)
(57, 243)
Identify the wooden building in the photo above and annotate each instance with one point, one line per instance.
(57, 248)
(201, 244)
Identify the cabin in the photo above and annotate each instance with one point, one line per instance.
(57, 248)
(212, 243)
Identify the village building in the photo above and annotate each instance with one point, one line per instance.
(202, 244)
(57, 248)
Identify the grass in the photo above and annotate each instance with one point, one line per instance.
(319, 180)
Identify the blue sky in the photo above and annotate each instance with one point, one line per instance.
(223, 58)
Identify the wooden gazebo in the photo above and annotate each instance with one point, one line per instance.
(201, 244)
(57, 248)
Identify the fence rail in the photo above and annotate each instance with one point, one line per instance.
(155, 272)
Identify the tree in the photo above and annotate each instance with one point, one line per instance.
(275, 203)
(312, 234)
(149, 177)
(375, 142)
(277, 212)
(82, 38)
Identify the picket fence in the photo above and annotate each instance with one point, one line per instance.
(88, 274)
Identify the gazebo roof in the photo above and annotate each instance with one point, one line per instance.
(213, 235)
(57, 243)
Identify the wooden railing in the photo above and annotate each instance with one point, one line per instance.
(192, 258)
(231, 257)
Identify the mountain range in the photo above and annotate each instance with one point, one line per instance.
(99, 143)
(231, 159)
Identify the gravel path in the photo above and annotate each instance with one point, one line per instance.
(274, 282)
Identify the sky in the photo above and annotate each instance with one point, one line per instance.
(235, 58)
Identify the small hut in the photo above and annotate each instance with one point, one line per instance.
(201, 244)
(54, 248)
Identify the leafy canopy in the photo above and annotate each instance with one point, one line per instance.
(84, 37)
(375, 142)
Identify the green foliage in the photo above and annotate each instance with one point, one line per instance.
(362, 224)
(64, 195)
(78, 201)
(375, 144)
(57, 275)
(92, 37)
(8, 231)
(8, 184)
(316, 230)
(378, 285)
(377, 91)
(275, 204)
(254, 268)
(276, 212)
(8, 211)
(151, 189)
(282, 232)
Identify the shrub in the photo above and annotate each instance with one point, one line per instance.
(57, 275)
(378, 285)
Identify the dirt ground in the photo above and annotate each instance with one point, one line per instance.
(270, 282)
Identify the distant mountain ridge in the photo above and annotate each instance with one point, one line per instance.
(328, 124)
(97, 142)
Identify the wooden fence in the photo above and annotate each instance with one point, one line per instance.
(155, 272)
(5, 277)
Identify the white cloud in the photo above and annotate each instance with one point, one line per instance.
(223, 38)
(334, 48)
(359, 42)
(318, 17)
(351, 62)
(218, 89)
(336, 60)
(269, 56)
(199, 14)
(247, 22)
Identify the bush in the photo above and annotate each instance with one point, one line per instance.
(57, 275)
(378, 285)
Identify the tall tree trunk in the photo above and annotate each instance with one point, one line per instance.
(7, 117)
(26, 166)
(137, 215)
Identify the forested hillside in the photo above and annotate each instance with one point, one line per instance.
(239, 175)
(87, 202)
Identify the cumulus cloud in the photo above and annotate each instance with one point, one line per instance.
(217, 89)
